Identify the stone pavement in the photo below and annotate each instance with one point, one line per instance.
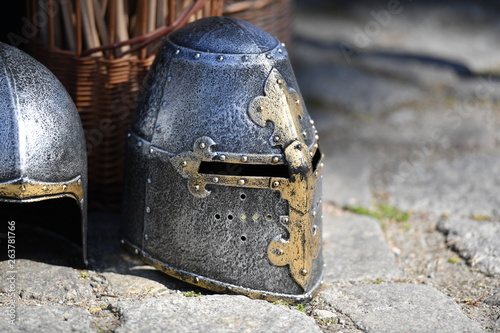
(406, 100)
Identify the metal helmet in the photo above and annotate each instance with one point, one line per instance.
(223, 167)
(43, 161)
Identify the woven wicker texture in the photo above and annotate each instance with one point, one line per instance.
(274, 16)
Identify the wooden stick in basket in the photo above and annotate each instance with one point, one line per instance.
(104, 6)
(185, 4)
(141, 18)
(42, 30)
(53, 37)
(245, 5)
(69, 31)
(134, 20)
(171, 12)
(151, 23)
(101, 23)
(143, 23)
(143, 41)
(112, 22)
(160, 13)
(92, 21)
(89, 30)
(151, 20)
(218, 7)
(87, 33)
(121, 24)
(187, 12)
(206, 9)
(78, 25)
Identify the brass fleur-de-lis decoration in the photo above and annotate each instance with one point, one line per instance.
(281, 105)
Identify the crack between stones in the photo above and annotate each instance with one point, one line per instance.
(352, 321)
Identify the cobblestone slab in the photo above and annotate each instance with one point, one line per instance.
(465, 186)
(494, 300)
(214, 313)
(476, 241)
(399, 307)
(346, 179)
(40, 281)
(354, 249)
(47, 318)
(127, 286)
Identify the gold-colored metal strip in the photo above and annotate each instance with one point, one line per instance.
(246, 181)
(302, 246)
(282, 106)
(188, 164)
(23, 188)
(299, 189)
(277, 159)
(299, 250)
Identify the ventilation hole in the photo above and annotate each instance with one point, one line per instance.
(217, 216)
(243, 196)
(256, 217)
(243, 217)
(249, 170)
(269, 217)
(243, 238)
(316, 159)
(230, 217)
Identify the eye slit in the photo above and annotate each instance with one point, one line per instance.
(230, 217)
(217, 216)
(248, 170)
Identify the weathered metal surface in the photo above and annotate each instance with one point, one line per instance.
(223, 181)
(42, 145)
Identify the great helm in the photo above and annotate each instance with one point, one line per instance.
(43, 161)
(223, 166)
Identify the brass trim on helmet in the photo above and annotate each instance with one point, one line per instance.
(188, 165)
(277, 159)
(302, 246)
(282, 106)
(218, 286)
(23, 188)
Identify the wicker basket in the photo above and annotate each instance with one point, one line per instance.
(104, 83)
(274, 16)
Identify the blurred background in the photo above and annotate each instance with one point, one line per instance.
(380, 76)
(405, 95)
